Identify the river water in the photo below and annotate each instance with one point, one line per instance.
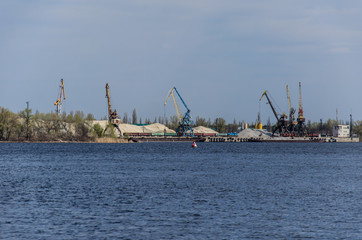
(173, 191)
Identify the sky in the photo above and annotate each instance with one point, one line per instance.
(220, 55)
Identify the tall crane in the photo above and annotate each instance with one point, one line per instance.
(185, 121)
(113, 117)
(281, 126)
(300, 119)
(291, 113)
(61, 97)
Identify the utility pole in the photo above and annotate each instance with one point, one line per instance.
(27, 121)
(350, 126)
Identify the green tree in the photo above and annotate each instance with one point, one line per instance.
(98, 130)
(8, 121)
(173, 123)
(27, 116)
(357, 128)
(134, 117)
(201, 122)
(110, 131)
(219, 125)
(90, 117)
(125, 118)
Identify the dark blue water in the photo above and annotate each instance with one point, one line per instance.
(172, 191)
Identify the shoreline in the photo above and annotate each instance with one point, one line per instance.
(97, 140)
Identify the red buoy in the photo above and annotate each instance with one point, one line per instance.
(194, 144)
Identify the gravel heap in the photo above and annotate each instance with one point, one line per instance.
(201, 129)
(130, 128)
(255, 133)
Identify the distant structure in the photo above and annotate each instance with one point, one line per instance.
(61, 97)
(184, 121)
(341, 131)
(300, 119)
(113, 117)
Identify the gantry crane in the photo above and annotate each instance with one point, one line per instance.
(281, 122)
(113, 117)
(61, 97)
(291, 113)
(300, 119)
(185, 122)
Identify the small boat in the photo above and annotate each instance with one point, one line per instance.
(194, 144)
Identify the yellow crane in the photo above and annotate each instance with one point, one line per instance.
(178, 112)
(61, 97)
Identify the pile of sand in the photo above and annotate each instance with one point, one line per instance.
(256, 133)
(201, 129)
(130, 128)
(157, 128)
(151, 128)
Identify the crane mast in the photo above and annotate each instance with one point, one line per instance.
(300, 103)
(291, 112)
(185, 121)
(301, 119)
(61, 97)
(113, 117)
(109, 103)
(289, 102)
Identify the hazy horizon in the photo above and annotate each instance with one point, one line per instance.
(221, 56)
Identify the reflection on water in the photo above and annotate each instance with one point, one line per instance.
(174, 191)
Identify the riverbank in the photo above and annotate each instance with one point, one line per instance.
(96, 140)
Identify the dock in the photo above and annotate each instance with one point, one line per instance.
(239, 140)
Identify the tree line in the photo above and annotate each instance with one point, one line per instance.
(76, 126)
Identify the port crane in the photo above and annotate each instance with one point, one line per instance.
(113, 117)
(300, 119)
(292, 122)
(281, 122)
(185, 121)
(61, 97)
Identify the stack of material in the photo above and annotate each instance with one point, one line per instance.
(157, 128)
(201, 129)
(130, 128)
(256, 133)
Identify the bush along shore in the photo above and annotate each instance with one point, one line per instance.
(51, 127)
(27, 126)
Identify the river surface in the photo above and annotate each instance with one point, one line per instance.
(173, 191)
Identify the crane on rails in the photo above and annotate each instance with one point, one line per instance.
(113, 117)
(61, 97)
(292, 122)
(300, 119)
(281, 118)
(185, 122)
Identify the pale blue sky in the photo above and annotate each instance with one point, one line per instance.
(221, 55)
